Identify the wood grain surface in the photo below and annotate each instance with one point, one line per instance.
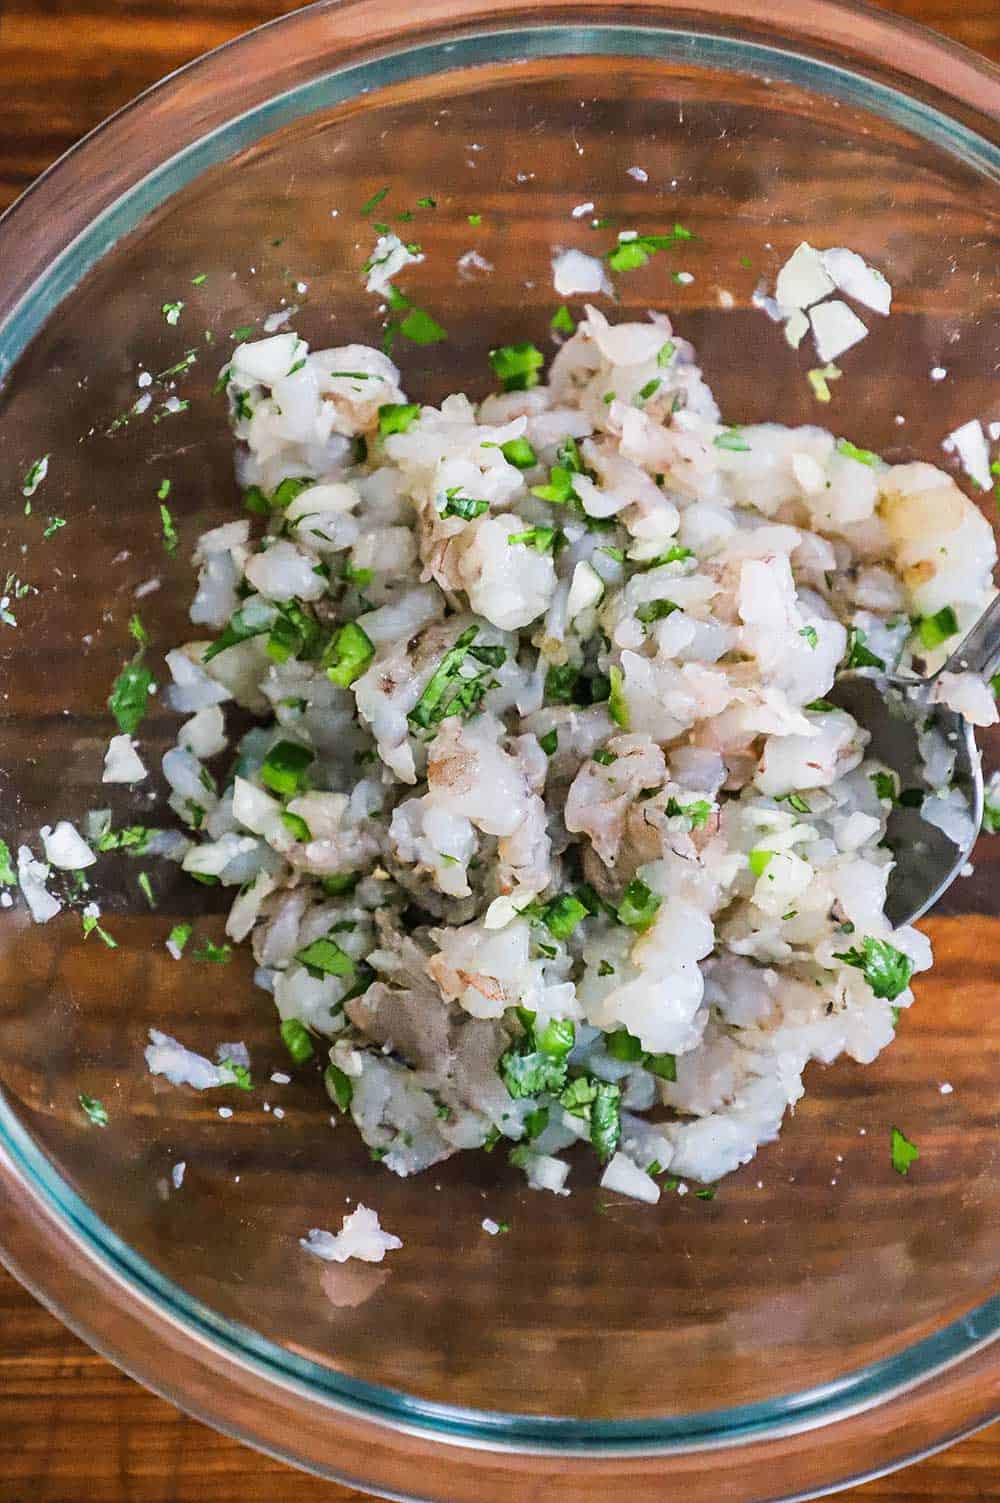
(73, 1428)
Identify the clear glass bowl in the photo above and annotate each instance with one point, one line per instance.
(822, 1318)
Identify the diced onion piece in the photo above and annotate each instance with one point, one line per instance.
(835, 329)
(65, 847)
(267, 360)
(969, 443)
(852, 274)
(360, 1236)
(626, 1178)
(575, 272)
(122, 763)
(803, 279)
(796, 327)
(586, 590)
(31, 876)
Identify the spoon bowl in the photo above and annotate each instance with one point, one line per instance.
(897, 712)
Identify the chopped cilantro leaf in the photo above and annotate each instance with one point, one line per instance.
(427, 202)
(420, 328)
(348, 655)
(759, 860)
(518, 452)
(639, 905)
(326, 956)
(624, 1046)
(95, 1110)
(91, 926)
(339, 1086)
(516, 366)
(885, 785)
(284, 767)
(549, 742)
(373, 202)
(650, 389)
(698, 811)
(209, 953)
(146, 888)
(605, 1119)
(397, 417)
(902, 1151)
(448, 692)
(861, 456)
(34, 476)
(655, 610)
(820, 706)
(172, 312)
(129, 697)
(617, 704)
(732, 439)
(859, 655)
(527, 1071)
(296, 1040)
(542, 539)
(8, 876)
(662, 1065)
(475, 220)
(666, 354)
(53, 525)
(466, 507)
(811, 636)
(886, 969)
(562, 321)
(179, 936)
(938, 628)
(561, 684)
(169, 534)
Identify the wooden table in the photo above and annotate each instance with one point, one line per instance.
(72, 1428)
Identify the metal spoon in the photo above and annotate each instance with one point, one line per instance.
(894, 711)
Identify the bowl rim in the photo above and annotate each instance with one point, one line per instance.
(61, 232)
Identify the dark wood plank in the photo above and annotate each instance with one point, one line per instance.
(71, 1426)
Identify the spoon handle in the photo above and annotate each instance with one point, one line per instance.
(980, 651)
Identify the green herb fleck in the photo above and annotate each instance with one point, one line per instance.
(397, 417)
(517, 366)
(886, 969)
(326, 956)
(129, 697)
(732, 439)
(179, 936)
(811, 636)
(562, 321)
(53, 525)
(296, 1040)
(759, 860)
(212, 954)
(146, 888)
(284, 767)
(859, 655)
(95, 1110)
(169, 533)
(902, 1151)
(91, 926)
(639, 906)
(420, 328)
(339, 1086)
(861, 456)
(617, 704)
(938, 628)
(549, 742)
(348, 655)
(373, 202)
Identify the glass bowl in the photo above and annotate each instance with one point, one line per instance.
(822, 1318)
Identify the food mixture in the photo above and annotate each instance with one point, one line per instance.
(547, 829)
